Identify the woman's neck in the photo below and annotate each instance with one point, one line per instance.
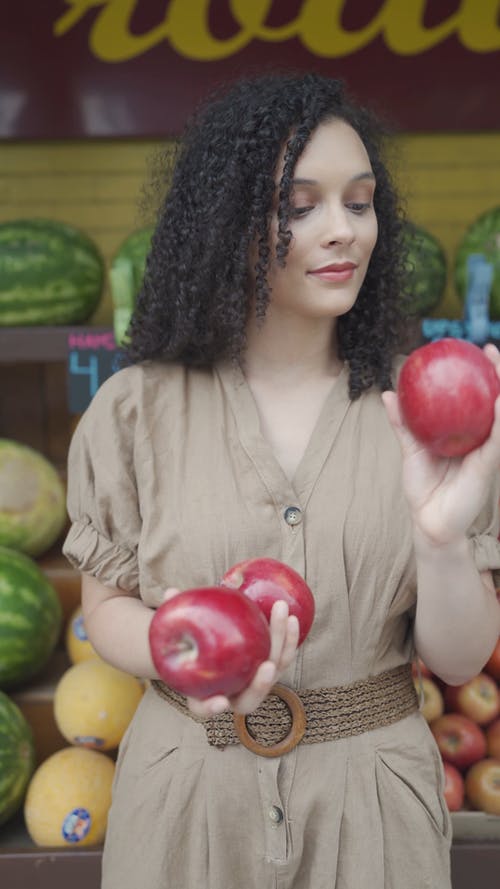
(298, 350)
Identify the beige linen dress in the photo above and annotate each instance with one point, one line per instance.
(171, 483)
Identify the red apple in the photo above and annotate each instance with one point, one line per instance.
(482, 786)
(460, 741)
(478, 699)
(454, 787)
(267, 580)
(433, 704)
(418, 666)
(492, 667)
(447, 391)
(493, 739)
(208, 641)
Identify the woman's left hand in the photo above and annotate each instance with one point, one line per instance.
(445, 495)
(284, 631)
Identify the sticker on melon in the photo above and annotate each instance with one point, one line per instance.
(78, 645)
(94, 704)
(68, 798)
(32, 499)
(17, 757)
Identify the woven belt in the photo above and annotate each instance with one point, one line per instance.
(287, 717)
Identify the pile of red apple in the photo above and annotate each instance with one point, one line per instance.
(211, 640)
(465, 721)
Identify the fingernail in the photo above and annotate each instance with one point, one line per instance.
(217, 707)
(268, 672)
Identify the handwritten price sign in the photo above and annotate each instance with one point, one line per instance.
(92, 358)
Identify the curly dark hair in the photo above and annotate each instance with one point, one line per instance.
(195, 298)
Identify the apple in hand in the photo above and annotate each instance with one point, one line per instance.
(460, 741)
(208, 641)
(447, 391)
(492, 667)
(478, 699)
(418, 666)
(433, 703)
(482, 786)
(493, 739)
(265, 580)
(454, 787)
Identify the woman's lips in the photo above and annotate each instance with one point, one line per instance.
(335, 273)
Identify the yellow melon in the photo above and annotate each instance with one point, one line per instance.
(94, 703)
(68, 798)
(78, 645)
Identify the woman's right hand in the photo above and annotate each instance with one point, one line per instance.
(284, 631)
(284, 642)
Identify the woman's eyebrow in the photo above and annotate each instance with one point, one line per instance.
(367, 175)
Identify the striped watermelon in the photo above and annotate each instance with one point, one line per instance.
(17, 757)
(126, 274)
(50, 273)
(426, 269)
(30, 618)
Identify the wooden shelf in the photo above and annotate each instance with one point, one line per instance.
(37, 344)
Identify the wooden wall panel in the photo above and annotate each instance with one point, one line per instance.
(447, 180)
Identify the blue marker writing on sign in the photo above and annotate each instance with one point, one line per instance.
(91, 369)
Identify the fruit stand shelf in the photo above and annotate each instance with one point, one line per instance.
(23, 865)
(37, 344)
(475, 865)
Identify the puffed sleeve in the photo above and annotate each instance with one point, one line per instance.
(483, 536)
(102, 497)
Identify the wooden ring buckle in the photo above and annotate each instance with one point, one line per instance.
(294, 736)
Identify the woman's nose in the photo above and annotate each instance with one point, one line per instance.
(338, 227)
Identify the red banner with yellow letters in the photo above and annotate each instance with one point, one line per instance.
(137, 68)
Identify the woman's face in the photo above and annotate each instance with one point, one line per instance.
(333, 224)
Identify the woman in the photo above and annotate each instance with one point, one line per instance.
(256, 418)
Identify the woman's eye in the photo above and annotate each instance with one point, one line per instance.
(358, 207)
(300, 211)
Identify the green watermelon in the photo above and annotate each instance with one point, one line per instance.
(30, 618)
(17, 757)
(32, 499)
(426, 269)
(126, 274)
(50, 273)
(483, 236)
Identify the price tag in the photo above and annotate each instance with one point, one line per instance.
(92, 358)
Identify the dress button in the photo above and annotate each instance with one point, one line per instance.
(276, 814)
(293, 515)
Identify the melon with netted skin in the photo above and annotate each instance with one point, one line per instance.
(68, 798)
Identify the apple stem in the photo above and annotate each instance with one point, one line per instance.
(184, 648)
(234, 581)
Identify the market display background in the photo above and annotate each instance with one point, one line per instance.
(108, 81)
(89, 89)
